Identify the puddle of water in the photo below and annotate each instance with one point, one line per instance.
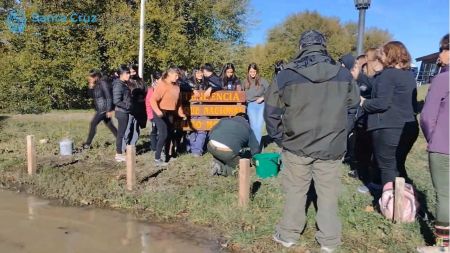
(29, 224)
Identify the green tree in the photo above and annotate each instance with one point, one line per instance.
(45, 67)
(283, 40)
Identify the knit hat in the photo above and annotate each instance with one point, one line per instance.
(348, 60)
(312, 37)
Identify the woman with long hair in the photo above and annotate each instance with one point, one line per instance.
(196, 139)
(255, 88)
(99, 90)
(156, 78)
(122, 101)
(166, 105)
(392, 112)
(229, 79)
(197, 80)
(138, 117)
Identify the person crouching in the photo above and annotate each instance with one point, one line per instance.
(226, 141)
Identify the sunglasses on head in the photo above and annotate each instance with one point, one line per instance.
(441, 49)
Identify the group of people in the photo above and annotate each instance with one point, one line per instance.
(160, 103)
(319, 111)
(317, 105)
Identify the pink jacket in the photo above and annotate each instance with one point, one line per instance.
(148, 106)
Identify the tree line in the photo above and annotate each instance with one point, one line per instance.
(45, 67)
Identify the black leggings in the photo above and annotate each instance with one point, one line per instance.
(122, 118)
(165, 131)
(153, 136)
(390, 149)
(98, 117)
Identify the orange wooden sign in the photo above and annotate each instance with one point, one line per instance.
(200, 124)
(214, 110)
(216, 97)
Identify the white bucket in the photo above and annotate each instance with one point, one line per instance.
(65, 147)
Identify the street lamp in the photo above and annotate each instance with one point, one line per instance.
(362, 6)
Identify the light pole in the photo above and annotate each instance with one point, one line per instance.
(362, 6)
(141, 40)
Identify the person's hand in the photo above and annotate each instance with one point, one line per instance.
(355, 71)
(196, 94)
(208, 93)
(260, 100)
(377, 66)
(109, 114)
(159, 114)
(362, 101)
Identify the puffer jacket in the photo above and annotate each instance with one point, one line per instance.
(122, 96)
(101, 93)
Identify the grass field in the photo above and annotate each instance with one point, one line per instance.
(186, 193)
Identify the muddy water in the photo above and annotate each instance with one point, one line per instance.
(29, 224)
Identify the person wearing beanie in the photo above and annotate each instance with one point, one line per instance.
(312, 133)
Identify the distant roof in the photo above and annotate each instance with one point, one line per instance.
(429, 58)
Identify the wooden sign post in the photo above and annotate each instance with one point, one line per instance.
(131, 167)
(205, 112)
(244, 182)
(31, 155)
(398, 198)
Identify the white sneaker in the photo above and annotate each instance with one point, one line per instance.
(432, 249)
(277, 238)
(324, 249)
(120, 158)
(363, 189)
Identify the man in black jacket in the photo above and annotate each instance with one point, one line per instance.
(306, 114)
(227, 139)
(100, 91)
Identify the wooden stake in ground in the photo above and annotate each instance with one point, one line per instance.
(244, 182)
(31, 155)
(131, 167)
(398, 198)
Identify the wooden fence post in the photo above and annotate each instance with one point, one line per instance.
(244, 182)
(31, 155)
(131, 167)
(399, 189)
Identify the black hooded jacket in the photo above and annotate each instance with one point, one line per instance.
(213, 82)
(138, 93)
(101, 93)
(306, 108)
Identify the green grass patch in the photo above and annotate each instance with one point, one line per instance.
(185, 192)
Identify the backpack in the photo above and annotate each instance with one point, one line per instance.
(410, 203)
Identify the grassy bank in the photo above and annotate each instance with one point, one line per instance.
(186, 192)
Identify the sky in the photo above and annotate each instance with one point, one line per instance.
(419, 24)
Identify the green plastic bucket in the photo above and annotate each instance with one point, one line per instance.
(267, 164)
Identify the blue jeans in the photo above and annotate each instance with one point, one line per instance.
(197, 142)
(255, 113)
(131, 133)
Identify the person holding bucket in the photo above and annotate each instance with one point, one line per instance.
(306, 115)
(227, 139)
